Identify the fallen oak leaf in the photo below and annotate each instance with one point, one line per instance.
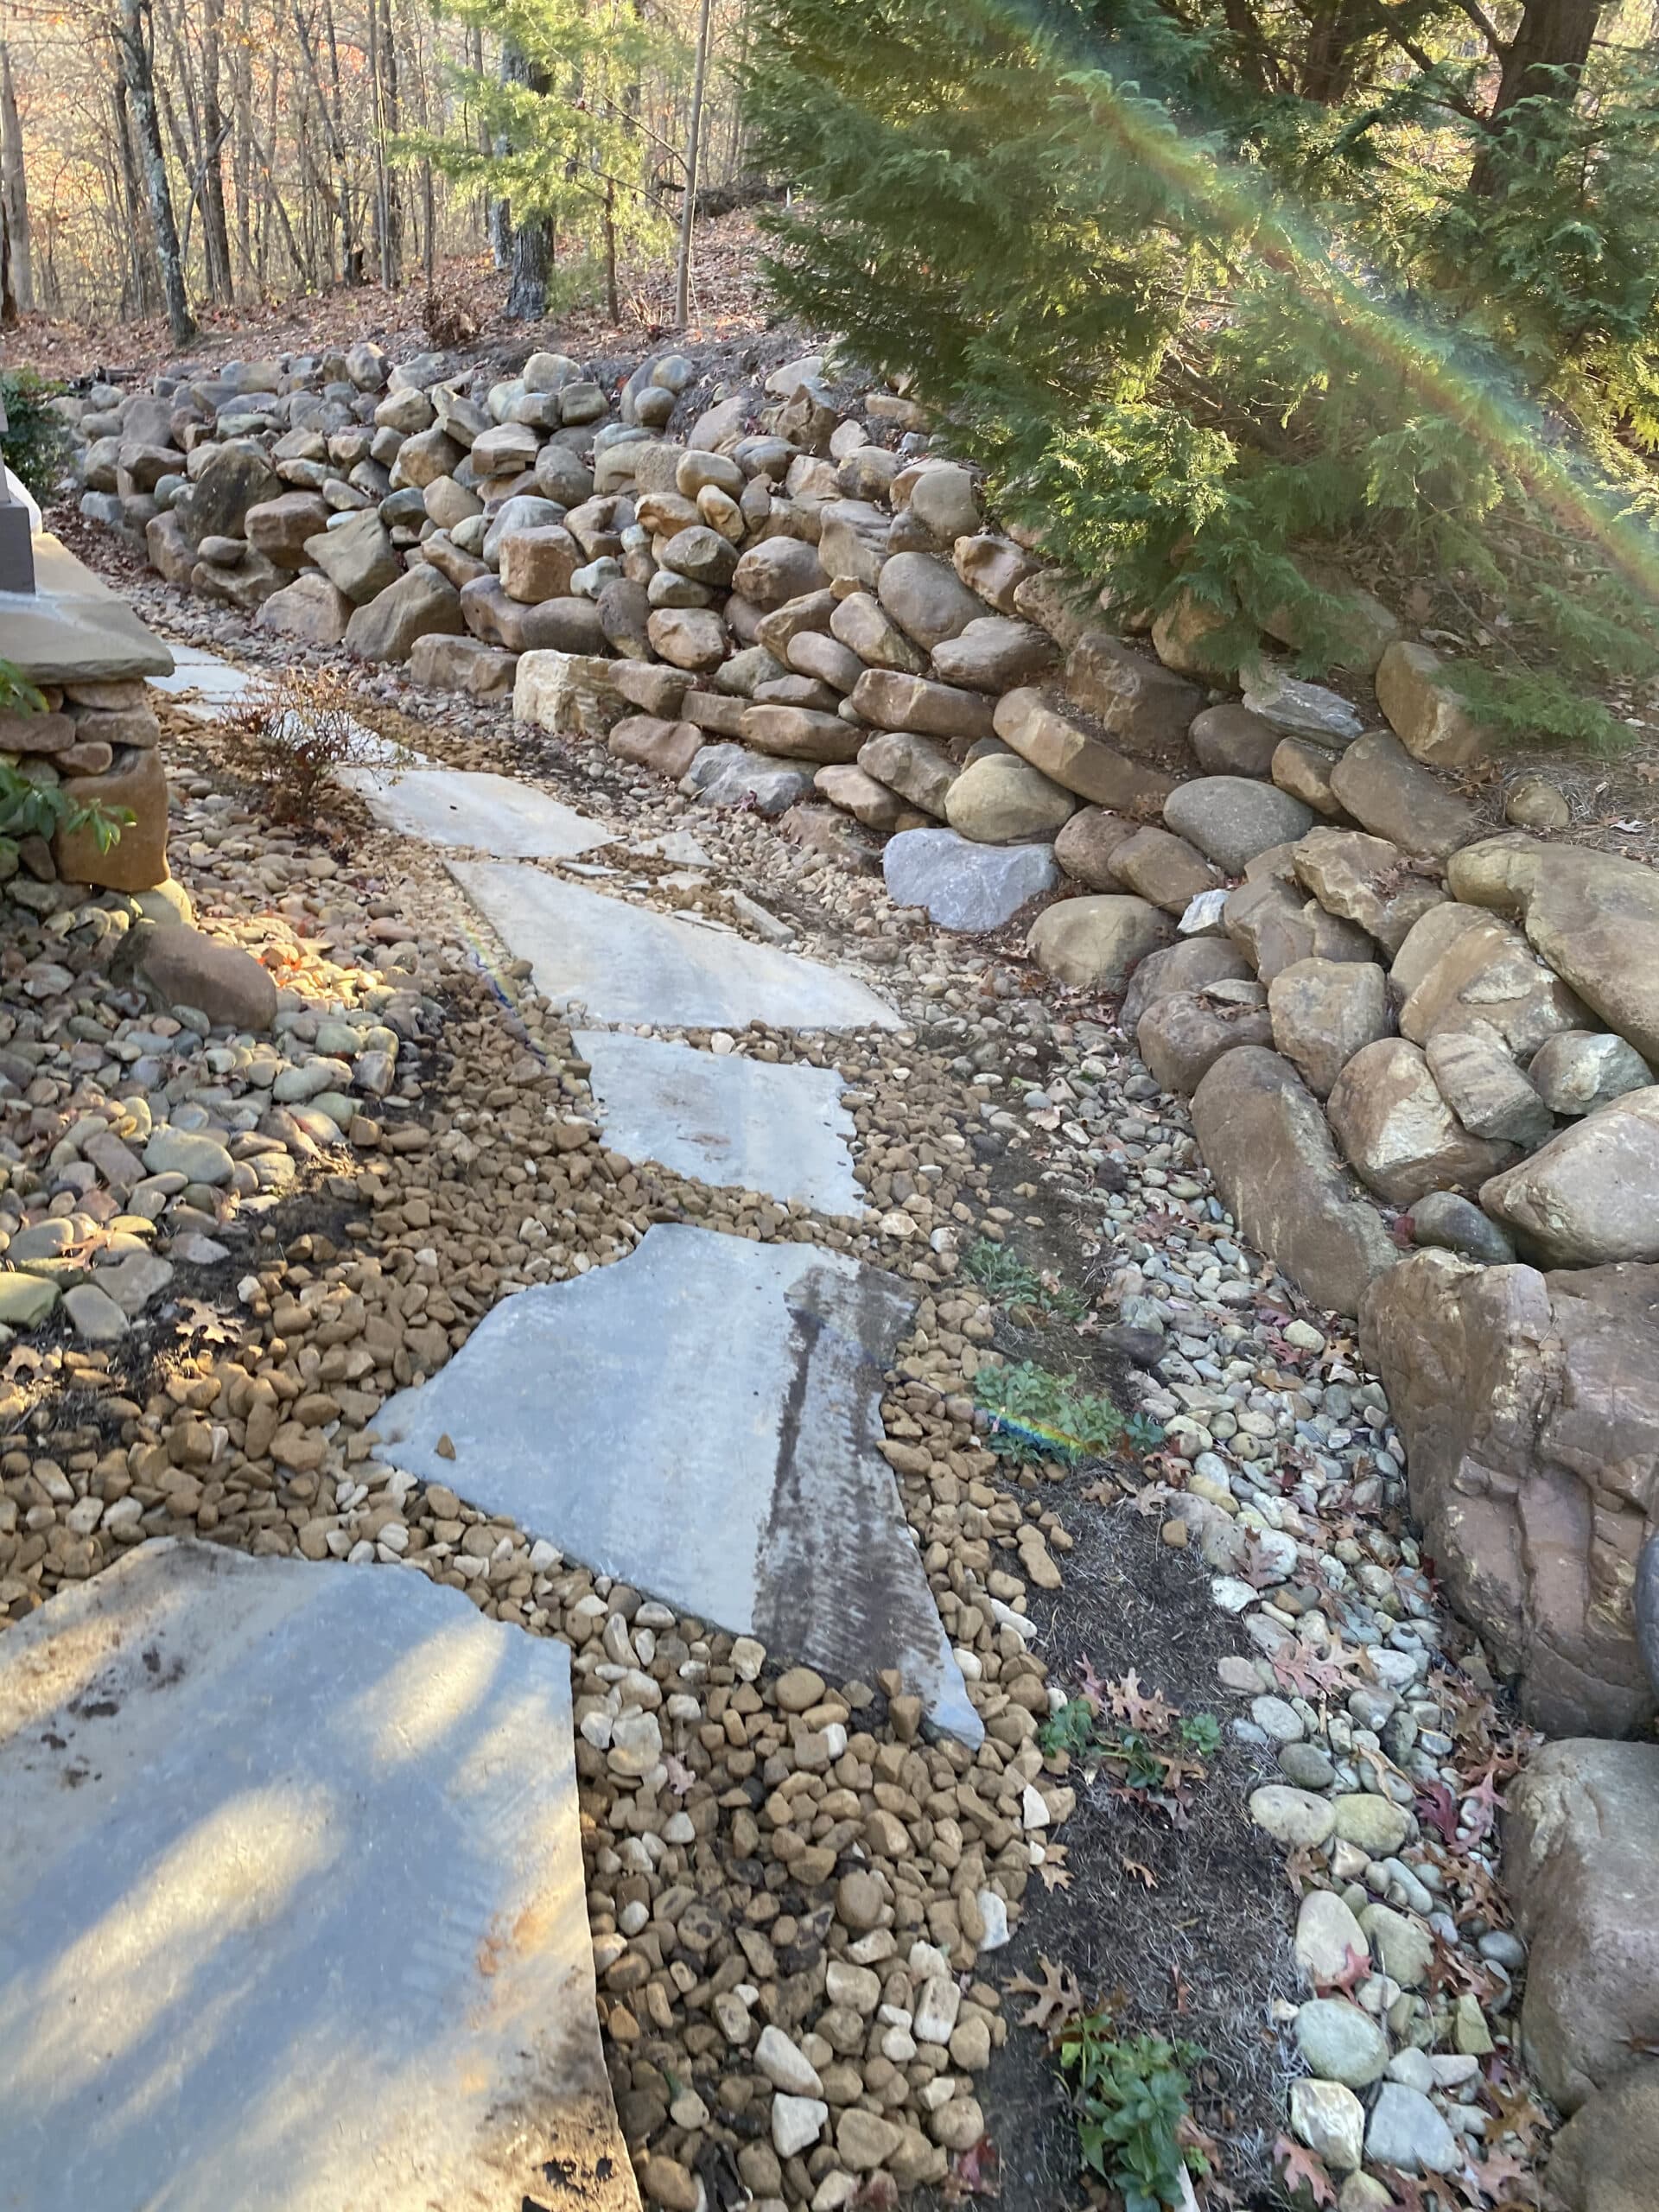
(1152, 1714)
(1058, 1995)
(1356, 1967)
(1300, 2168)
(1143, 1874)
(978, 2172)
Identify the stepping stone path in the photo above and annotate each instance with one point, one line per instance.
(752, 1124)
(700, 1420)
(629, 964)
(493, 814)
(292, 1913)
(309, 1927)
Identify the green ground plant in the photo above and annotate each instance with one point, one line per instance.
(28, 808)
(1130, 2096)
(37, 443)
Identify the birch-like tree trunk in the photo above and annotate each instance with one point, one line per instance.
(14, 187)
(137, 76)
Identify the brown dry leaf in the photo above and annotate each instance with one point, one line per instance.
(1057, 1996)
(1142, 1873)
(1052, 1867)
(1131, 1705)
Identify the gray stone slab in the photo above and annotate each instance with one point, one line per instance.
(214, 680)
(493, 814)
(627, 963)
(292, 1915)
(701, 1420)
(965, 886)
(755, 1125)
(72, 627)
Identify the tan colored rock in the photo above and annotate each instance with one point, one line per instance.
(1581, 1864)
(1003, 800)
(419, 603)
(1085, 844)
(926, 598)
(1146, 707)
(891, 701)
(860, 795)
(1185, 637)
(1324, 1011)
(1489, 973)
(1233, 819)
(1072, 756)
(1187, 966)
(1275, 923)
(1425, 712)
(278, 528)
(668, 747)
(1479, 1081)
(466, 664)
(1367, 880)
(1163, 868)
(1430, 935)
(1593, 917)
(1230, 740)
(689, 637)
(1268, 1145)
(1576, 1071)
(1182, 1036)
(1398, 1133)
(913, 767)
(183, 967)
(1591, 1195)
(1097, 943)
(860, 622)
(1604, 2159)
(800, 734)
(1529, 1407)
(1302, 770)
(1533, 803)
(1386, 793)
(137, 860)
(537, 564)
(994, 654)
(310, 609)
(993, 566)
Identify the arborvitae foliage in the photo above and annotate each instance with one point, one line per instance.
(1198, 325)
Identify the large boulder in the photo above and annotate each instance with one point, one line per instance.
(1187, 966)
(1367, 880)
(1231, 818)
(1085, 845)
(1581, 1868)
(1594, 918)
(1474, 1073)
(1429, 935)
(891, 701)
(1181, 1036)
(238, 476)
(1072, 755)
(1385, 791)
(1097, 943)
(1398, 1133)
(1275, 923)
(1230, 740)
(994, 653)
(137, 860)
(1265, 1139)
(1604, 2159)
(1324, 1011)
(1165, 868)
(278, 528)
(538, 563)
(1577, 1069)
(913, 767)
(1424, 709)
(310, 609)
(926, 598)
(1002, 800)
(357, 556)
(1529, 1407)
(963, 884)
(776, 570)
(1146, 706)
(182, 967)
(1490, 973)
(1591, 1195)
(799, 733)
(420, 602)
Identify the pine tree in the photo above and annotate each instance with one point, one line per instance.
(562, 143)
(1199, 323)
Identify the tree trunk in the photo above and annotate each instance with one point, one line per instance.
(530, 253)
(216, 234)
(141, 92)
(1543, 61)
(689, 212)
(14, 187)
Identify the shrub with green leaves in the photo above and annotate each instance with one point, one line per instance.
(1199, 320)
(28, 808)
(1130, 2097)
(37, 443)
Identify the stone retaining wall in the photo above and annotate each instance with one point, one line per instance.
(1393, 1028)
